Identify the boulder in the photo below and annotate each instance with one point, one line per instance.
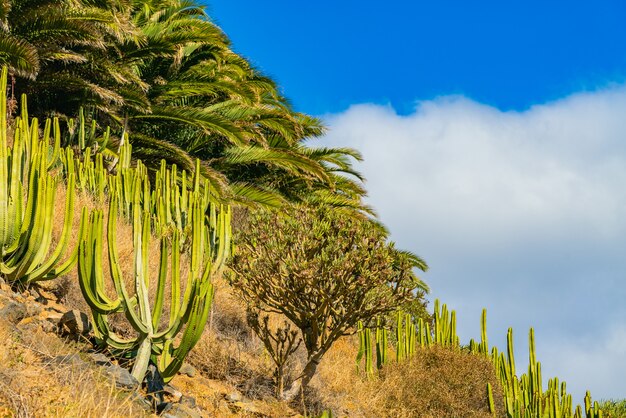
(74, 324)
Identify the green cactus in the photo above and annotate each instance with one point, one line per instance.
(209, 250)
(400, 339)
(27, 197)
(492, 405)
(381, 344)
(365, 349)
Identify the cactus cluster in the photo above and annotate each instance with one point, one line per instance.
(153, 341)
(168, 200)
(524, 396)
(180, 212)
(409, 334)
(28, 188)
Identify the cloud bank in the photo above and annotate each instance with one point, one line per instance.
(523, 213)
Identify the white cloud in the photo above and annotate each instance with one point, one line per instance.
(520, 212)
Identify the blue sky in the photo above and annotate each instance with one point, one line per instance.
(494, 139)
(328, 55)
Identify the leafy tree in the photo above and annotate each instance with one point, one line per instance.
(324, 271)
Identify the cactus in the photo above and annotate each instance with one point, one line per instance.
(492, 406)
(27, 197)
(400, 340)
(523, 395)
(365, 349)
(209, 249)
(381, 344)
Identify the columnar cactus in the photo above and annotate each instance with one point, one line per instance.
(381, 344)
(523, 395)
(27, 197)
(209, 249)
(365, 349)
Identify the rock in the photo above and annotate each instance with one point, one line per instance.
(100, 359)
(31, 294)
(68, 360)
(173, 394)
(234, 397)
(188, 369)
(53, 306)
(44, 296)
(180, 411)
(74, 324)
(189, 401)
(15, 312)
(122, 377)
(48, 327)
(51, 316)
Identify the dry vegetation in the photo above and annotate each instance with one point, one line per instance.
(235, 374)
(33, 385)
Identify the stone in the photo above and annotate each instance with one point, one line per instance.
(189, 401)
(234, 397)
(100, 359)
(74, 324)
(15, 312)
(68, 360)
(122, 377)
(180, 411)
(172, 394)
(53, 306)
(188, 370)
(48, 327)
(45, 296)
(51, 316)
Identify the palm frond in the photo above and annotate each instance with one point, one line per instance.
(20, 56)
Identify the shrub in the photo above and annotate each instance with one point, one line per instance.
(438, 382)
(324, 271)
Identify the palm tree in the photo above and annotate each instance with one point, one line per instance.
(163, 72)
(57, 50)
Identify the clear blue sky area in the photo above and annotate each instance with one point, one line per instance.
(327, 55)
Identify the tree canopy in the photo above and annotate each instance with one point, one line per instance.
(323, 271)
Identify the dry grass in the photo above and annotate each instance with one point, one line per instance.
(229, 350)
(435, 383)
(30, 386)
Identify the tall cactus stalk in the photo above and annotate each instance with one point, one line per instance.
(27, 199)
(381, 344)
(154, 342)
(365, 349)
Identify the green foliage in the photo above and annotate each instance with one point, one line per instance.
(154, 341)
(162, 72)
(323, 271)
(613, 408)
(27, 201)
